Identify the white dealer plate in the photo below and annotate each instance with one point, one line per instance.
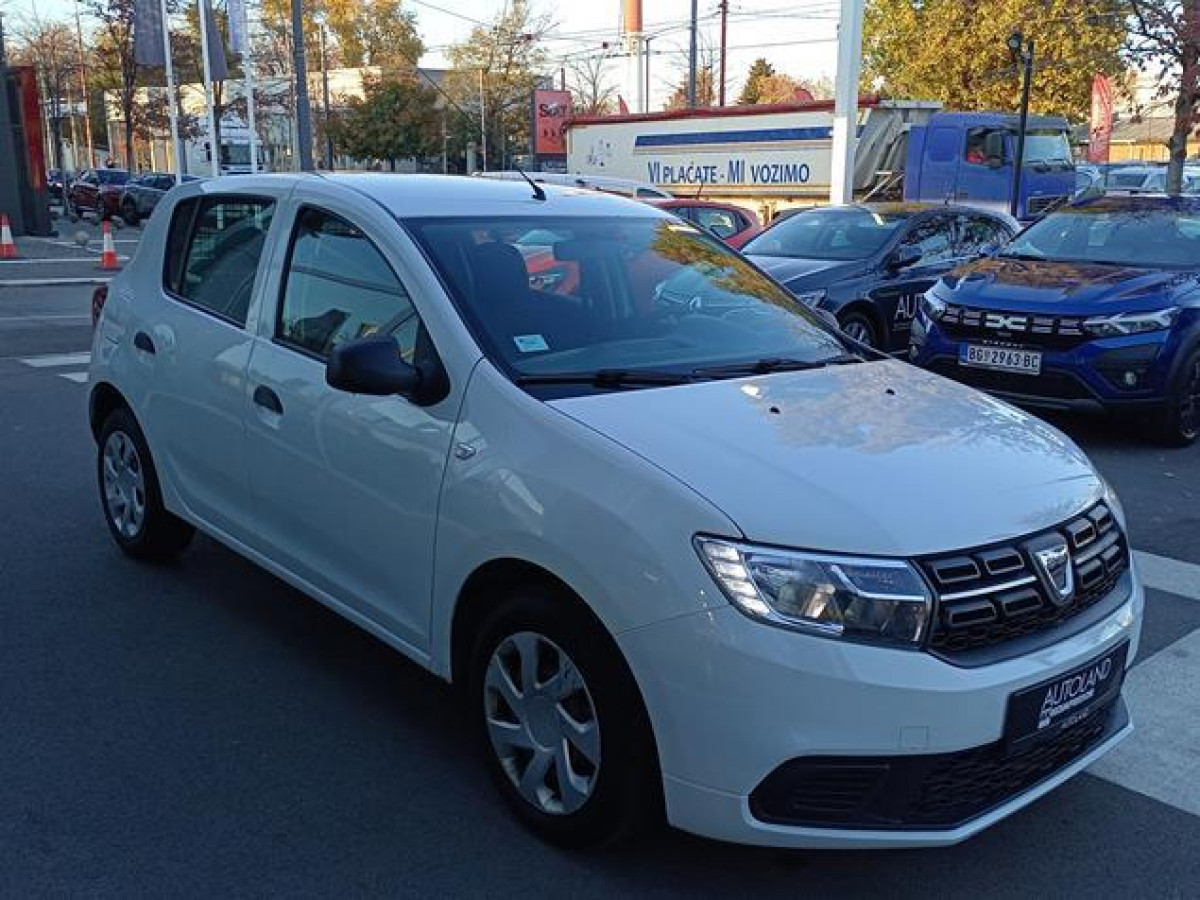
(1002, 359)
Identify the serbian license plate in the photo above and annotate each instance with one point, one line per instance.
(1003, 359)
(1047, 708)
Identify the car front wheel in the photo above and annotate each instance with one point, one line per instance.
(130, 214)
(859, 326)
(130, 494)
(1179, 422)
(561, 722)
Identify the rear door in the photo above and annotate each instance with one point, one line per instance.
(194, 346)
(898, 292)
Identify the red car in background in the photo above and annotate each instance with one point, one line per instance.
(731, 223)
(96, 191)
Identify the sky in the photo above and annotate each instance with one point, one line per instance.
(798, 38)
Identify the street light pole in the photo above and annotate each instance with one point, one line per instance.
(1023, 51)
(325, 97)
(482, 123)
(303, 112)
(692, 59)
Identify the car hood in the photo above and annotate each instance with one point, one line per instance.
(1064, 288)
(806, 273)
(873, 458)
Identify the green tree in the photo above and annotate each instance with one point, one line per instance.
(1164, 38)
(752, 89)
(495, 71)
(396, 118)
(954, 52)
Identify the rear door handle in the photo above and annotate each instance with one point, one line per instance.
(268, 399)
(142, 341)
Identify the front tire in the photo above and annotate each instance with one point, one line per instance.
(130, 214)
(1179, 422)
(561, 722)
(130, 495)
(859, 327)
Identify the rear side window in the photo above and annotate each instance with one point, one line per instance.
(339, 287)
(213, 250)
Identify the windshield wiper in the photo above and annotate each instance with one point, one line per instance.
(607, 378)
(774, 364)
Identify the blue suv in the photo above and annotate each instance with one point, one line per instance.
(1094, 307)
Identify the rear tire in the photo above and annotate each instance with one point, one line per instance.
(130, 495)
(130, 214)
(1178, 424)
(561, 722)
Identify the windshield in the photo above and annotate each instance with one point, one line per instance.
(112, 176)
(839, 234)
(1047, 146)
(553, 296)
(1168, 238)
(235, 154)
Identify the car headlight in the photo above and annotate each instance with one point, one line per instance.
(933, 306)
(1113, 502)
(880, 601)
(810, 298)
(1131, 323)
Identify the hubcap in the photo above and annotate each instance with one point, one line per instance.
(542, 723)
(124, 484)
(859, 331)
(1189, 407)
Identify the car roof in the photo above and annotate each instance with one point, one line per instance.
(1137, 203)
(910, 209)
(677, 202)
(444, 196)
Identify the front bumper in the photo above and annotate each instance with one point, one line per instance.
(732, 701)
(1088, 377)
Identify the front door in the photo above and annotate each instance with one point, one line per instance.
(897, 294)
(345, 486)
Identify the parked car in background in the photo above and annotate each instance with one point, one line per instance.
(733, 224)
(625, 187)
(97, 191)
(869, 264)
(669, 550)
(1096, 307)
(57, 181)
(142, 193)
(1136, 180)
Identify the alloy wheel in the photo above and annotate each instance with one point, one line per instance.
(860, 331)
(1189, 403)
(542, 724)
(124, 485)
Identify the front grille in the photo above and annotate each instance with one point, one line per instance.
(966, 323)
(940, 790)
(1036, 206)
(1048, 383)
(995, 594)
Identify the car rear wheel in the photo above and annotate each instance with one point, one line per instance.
(130, 494)
(1179, 423)
(130, 214)
(859, 326)
(561, 722)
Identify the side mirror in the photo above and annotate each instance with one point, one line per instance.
(371, 365)
(903, 257)
(993, 149)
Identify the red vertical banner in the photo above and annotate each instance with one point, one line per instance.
(551, 109)
(1102, 119)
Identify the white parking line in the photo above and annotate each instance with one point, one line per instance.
(37, 318)
(1171, 575)
(54, 282)
(1162, 759)
(57, 359)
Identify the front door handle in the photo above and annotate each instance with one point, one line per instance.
(142, 341)
(268, 399)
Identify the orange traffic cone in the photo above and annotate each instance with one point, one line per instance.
(108, 256)
(8, 247)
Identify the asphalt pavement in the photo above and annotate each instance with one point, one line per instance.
(202, 729)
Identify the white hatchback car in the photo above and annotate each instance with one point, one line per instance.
(685, 546)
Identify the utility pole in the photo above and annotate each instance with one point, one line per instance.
(845, 102)
(1022, 51)
(87, 112)
(692, 58)
(724, 7)
(303, 112)
(482, 123)
(325, 95)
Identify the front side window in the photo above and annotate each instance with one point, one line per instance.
(339, 287)
(932, 239)
(645, 293)
(213, 250)
(837, 234)
(1147, 236)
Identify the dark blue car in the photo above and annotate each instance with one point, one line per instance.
(1094, 307)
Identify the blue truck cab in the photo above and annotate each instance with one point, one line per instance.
(969, 158)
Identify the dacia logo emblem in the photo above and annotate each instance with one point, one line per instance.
(1052, 561)
(1001, 322)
